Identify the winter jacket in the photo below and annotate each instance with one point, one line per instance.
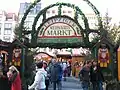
(93, 74)
(96, 75)
(56, 72)
(39, 82)
(100, 76)
(85, 74)
(16, 82)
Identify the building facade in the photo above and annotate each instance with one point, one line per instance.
(31, 15)
(7, 26)
(30, 18)
(92, 19)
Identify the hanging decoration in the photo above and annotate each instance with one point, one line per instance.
(103, 56)
(16, 60)
(5, 56)
(3, 60)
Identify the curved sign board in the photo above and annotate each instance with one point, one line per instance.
(60, 29)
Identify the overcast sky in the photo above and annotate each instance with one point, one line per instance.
(113, 6)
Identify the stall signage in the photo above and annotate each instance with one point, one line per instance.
(59, 27)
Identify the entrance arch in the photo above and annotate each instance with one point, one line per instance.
(45, 36)
(84, 32)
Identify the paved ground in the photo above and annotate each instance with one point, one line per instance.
(70, 84)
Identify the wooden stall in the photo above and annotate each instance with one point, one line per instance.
(43, 56)
(5, 57)
(77, 62)
(64, 55)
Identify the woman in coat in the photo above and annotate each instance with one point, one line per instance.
(39, 82)
(14, 76)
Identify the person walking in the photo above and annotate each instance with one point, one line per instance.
(93, 75)
(85, 75)
(68, 69)
(39, 82)
(56, 74)
(47, 81)
(65, 70)
(100, 78)
(14, 77)
(96, 76)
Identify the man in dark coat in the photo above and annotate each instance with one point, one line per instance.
(56, 74)
(85, 75)
(96, 76)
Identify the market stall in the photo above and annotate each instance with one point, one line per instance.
(78, 59)
(4, 64)
(77, 63)
(43, 56)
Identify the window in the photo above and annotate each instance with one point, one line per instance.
(6, 39)
(38, 7)
(22, 8)
(32, 11)
(10, 16)
(8, 25)
(8, 28)
(7, 32)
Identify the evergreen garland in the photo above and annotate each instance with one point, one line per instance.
(96, 12)
(85, 33)
(35, 32)
(21, 26)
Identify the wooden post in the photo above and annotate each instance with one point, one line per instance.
(23, 62)
(118, 51)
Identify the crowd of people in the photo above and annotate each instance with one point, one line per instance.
(45, 74)
(91, 74)
(55, 71)
(51, 73)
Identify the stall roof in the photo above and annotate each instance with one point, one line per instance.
(49, 54)
(4, 44)
(64, 53)
(78, 52)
